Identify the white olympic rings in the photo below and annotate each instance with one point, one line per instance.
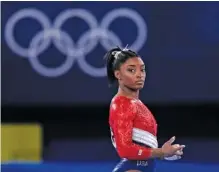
(64, 43)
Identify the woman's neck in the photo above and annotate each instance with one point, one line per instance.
(123, 91)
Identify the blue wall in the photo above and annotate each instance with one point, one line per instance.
(178, 40)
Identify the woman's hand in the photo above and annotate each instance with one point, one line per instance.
(170, 150)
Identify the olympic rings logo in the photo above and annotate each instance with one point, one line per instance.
(74, 51)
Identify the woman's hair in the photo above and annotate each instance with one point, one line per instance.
(114, 59)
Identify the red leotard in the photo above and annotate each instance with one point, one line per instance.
(127, 114)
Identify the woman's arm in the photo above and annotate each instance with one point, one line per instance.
(122, 135)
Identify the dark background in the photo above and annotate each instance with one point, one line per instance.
(193, 122)
(92, 121)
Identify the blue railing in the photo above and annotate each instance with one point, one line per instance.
(103, 167)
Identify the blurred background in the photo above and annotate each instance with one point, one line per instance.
(55, 94)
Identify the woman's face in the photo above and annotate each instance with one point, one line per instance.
(132, 73)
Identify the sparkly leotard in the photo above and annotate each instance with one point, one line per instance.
(133, 133)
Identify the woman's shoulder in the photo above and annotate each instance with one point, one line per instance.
(120, 99)
(123, 101)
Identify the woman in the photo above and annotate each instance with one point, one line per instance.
(133, 127)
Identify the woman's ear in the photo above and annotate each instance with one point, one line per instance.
(117, 74)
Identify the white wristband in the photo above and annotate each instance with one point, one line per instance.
(172, 158)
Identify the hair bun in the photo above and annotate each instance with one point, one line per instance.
(116, 54)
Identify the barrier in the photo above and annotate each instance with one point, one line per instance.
(162, 166)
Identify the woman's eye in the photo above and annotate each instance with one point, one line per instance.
(131, 70)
